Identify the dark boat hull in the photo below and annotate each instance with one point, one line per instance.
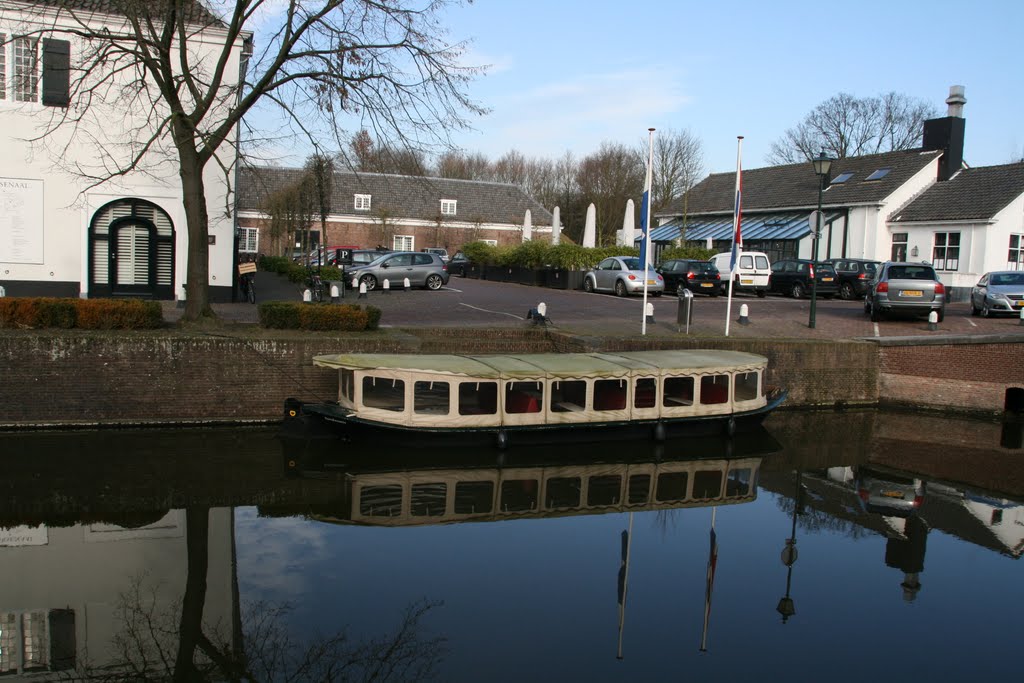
(328, 420)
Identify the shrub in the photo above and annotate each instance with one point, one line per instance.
(372, 317)
(281, 315)
(286, 315)
(87, 314)
(481, 252)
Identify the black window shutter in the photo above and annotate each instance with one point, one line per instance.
(56, 72)
(62, 639)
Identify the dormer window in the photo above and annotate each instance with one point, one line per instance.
(363, 202)
(879, 174)
(448, 207)
(841, 178)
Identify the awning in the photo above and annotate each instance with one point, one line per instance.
(791, 225)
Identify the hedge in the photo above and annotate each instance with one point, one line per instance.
(83, 314)
(296, 272)
(287, 315)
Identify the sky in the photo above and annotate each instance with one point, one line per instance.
(569, 74)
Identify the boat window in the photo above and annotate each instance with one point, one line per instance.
(645, 393)
(430, 398)
(639, 488)
(348, 385)
(518, 495)
(738, 483)
(707, 484)
(384, 393)
(746, 386)
(671, 486)
(678, 391)
(428, 500)
(568, 395)
(610, 394)
(478, 398)
(474, 497)
(604, 489)
(714, 389)
(563, 492)
(381, 501)
(524, 397)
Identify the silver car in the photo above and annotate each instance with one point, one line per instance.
(422, 270)
(1000, 291)
(902, 287)
(623, 275)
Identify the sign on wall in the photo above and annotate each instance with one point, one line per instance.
(21, 220)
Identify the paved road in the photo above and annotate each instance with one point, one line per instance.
(481, 303)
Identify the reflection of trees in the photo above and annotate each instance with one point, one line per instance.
(162, 641)
(813, 519)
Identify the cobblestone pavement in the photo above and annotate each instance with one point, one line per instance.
(480, 303)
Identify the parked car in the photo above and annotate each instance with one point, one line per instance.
(458, 264)
(623, 275)
(854, 275)
(796, 277)
(360, 257)
(697, 276)
(422, 270)
(440, 251)
(1000, 291)
(752, 271)
(888, 494)
(902, 287)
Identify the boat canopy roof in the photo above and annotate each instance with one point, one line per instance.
(533, 365)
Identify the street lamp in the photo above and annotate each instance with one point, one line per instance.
(822, 164)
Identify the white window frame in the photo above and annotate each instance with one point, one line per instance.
(493, 243)
(896, 254)
(1015, 255)
(403, 243)
(941, 259)
(3, 66)
(362, 202)
(248, 240)
(449, 207)
(25, 69)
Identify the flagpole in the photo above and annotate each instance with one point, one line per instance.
(712, 562)
(645, 218)
(625, 581)
(737, 240)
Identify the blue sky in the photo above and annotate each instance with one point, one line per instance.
(569, 74)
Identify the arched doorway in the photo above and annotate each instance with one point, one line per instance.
(131, 251)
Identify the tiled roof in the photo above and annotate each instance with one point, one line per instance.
(972, 194)
(796, 185)
(402, 196)
(197, 12)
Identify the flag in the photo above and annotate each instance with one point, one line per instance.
(645, 211)
(737, 235)
(712, 564)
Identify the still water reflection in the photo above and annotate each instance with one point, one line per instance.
(838, 546)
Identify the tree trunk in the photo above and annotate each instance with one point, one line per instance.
(197, 269)
(197, 520)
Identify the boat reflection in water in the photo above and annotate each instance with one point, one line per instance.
(539, 482)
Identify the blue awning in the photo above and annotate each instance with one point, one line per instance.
(791, 225)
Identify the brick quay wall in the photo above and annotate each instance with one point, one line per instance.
(72, 378)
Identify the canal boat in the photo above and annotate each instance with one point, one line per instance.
(538, 398)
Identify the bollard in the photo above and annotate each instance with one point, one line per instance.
(386, 286)
(684, 314)
(407, 284)
(744, 320)
(307, 296)
(538, 315)
(933, 321)
(1021, 315)
(649, 313)
(334, 294)
(542, 309)
(3, 292)
(362, 290)
(355, 282)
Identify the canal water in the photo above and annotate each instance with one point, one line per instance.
(829, 546)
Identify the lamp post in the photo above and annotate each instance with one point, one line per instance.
(822, 164)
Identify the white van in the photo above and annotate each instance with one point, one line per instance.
(752, 272)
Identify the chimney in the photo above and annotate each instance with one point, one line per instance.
(947, 134)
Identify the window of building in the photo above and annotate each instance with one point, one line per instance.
(678, 391)
(26, 69)
(568, 395)
(879, 174)
(610, 394)
(946, 252)
(524, 397)
(478, 398)
(714, 389)
(1015, 260)
(645, 393)
(430, 398)
(43, 640)
(493, 243)
(363, 202)
(841, 178)
(403, 243)
(3, 66)
(448, 207)
(899, 247)
(248, 240)
(384, 393)
(746, 386)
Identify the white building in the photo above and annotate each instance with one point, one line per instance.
(66, 230)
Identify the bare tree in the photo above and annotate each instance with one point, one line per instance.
(320, 171)
(463, 166)
(678, 165)
(168, 68)
(845, 126)
(511, 168)
(608, 178)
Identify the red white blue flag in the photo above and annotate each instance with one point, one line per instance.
(737, 234)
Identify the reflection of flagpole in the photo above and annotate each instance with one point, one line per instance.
(623, 579)
(712, 563)
(737, 239)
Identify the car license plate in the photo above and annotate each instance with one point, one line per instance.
(1018, 304)
(911, 292)
(746, 282)
(710, 284)
(892, 494)
(650, 282)
(826, 279)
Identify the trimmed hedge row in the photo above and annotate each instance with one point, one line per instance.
(83, 314)
(287, 315)
(295, 272)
